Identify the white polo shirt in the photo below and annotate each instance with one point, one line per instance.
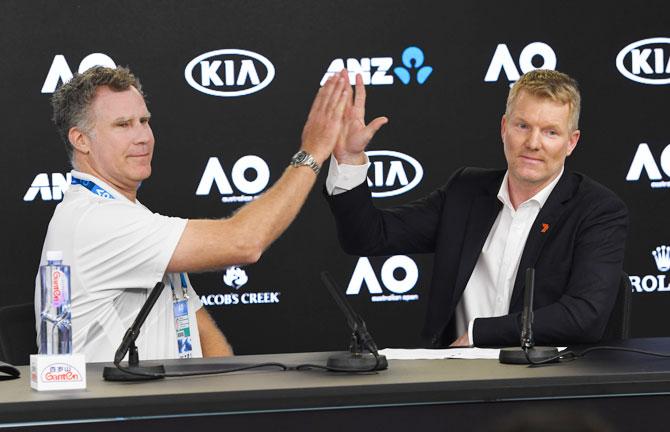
(118, 250)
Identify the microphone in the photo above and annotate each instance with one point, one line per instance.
(528, 352)
(363, 354)
(527, 314)
(128, 344)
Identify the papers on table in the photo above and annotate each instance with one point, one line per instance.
(436, 354)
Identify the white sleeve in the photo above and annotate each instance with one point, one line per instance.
(471, 341)
(342, 178)
(122, 246)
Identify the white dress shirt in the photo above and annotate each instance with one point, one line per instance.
(489, 289)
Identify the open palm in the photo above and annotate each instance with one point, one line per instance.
(356, 134)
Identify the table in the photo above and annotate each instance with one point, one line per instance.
(627, 390)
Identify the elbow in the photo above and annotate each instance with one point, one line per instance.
(250, 251)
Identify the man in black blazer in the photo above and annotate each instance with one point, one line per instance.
(485, 227)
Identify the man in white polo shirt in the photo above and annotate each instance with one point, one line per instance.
(118, 249)
(486, 227)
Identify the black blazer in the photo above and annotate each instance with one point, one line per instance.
(578, 259)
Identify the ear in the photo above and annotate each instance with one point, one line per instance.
(79, 140)
(572, 142)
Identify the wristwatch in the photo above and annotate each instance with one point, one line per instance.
(302, 158)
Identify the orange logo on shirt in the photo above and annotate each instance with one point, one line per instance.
(545, 228)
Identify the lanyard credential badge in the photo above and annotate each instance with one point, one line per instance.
(181, 319)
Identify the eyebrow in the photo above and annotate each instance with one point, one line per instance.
(125, 119)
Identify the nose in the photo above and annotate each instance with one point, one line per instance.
(534, 141)
(144, 134)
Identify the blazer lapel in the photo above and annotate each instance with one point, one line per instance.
(542, 228)
(483, 214)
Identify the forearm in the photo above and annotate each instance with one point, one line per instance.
(212, 340)
(243, 237)
(267, 217)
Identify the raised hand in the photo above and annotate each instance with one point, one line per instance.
(326, 117)
(356, 134)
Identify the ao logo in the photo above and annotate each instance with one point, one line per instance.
(364, 273)
(229, 72)
(214, 175)
(388, 176)
(60, 71)
(644, 161)
(503, 61)
(637, 63)
(48, 190)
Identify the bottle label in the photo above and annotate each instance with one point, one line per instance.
(58, 291)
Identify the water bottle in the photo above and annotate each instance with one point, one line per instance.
(55, 325)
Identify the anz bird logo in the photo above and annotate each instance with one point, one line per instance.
(235, 277)
(413, 58)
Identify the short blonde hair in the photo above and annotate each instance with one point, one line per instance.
(549, 84)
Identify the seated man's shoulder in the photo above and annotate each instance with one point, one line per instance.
(596, 194)
(476, 178)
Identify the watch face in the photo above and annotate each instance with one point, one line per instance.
(300, 157)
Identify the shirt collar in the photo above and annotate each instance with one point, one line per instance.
(84, 176)
(541, 197)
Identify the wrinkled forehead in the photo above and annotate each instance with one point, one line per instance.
(541, 98)
(111, 104)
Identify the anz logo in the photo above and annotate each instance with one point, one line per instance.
(392, 173)
(380, 70)
(48, 189)
(229, 72)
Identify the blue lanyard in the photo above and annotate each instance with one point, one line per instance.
(92, 186)
(184, 287)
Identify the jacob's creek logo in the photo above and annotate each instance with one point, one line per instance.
(380, 70)
(60, 71)
(229, 72)
(537, 55)
(48, 188)
(644, 161)
(657, 282)
(646, 61)
(250, 175)
(392, 173)
(60, 372)
(235, 278)
(399, 275)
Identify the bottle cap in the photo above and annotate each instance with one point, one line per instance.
(54, 255)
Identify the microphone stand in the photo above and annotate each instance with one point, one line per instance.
(528, 352)
(133, 371)
(363, 355)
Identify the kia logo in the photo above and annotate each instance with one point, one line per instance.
(392, 173)
(649, 61)
(229, 72)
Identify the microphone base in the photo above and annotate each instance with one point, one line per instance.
(112, 373)
(536, 354)
(357, 362)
